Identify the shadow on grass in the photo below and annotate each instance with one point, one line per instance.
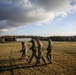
(12, 66)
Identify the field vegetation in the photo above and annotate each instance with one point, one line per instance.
(64, 60)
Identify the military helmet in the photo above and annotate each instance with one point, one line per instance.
(22, 42)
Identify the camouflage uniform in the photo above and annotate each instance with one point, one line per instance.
(40, 53)
(33, 48)
(24, 50)
(49, 51)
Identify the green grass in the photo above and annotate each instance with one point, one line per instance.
(64, 60)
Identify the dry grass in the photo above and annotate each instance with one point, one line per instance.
(64, 60)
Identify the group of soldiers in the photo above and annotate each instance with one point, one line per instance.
(37, 51)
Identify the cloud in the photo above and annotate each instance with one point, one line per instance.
(16, 13)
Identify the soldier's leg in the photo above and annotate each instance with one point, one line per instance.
(43, 58)
(48, 56)
(22, 56)
(31, 58)
(38, 59)
(35, 56)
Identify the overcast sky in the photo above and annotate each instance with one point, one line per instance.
(38, 17)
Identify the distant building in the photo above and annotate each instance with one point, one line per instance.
(23, 39)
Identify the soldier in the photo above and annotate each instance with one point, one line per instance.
(33, 48)
(40, 53)
(24, 50)
(49, 51)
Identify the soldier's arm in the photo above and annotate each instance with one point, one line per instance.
(30, 48)
(21, 50)
(47, 48)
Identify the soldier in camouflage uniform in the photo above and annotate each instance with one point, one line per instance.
(49, 50)
(24, 51)
(33, 48)
(40, 53)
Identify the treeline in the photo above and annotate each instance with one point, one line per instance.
(60, 38)
(7, 38)
(53, 38)
(12, 38)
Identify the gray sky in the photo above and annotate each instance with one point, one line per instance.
(18, 13)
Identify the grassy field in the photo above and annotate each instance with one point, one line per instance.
(64, 60)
